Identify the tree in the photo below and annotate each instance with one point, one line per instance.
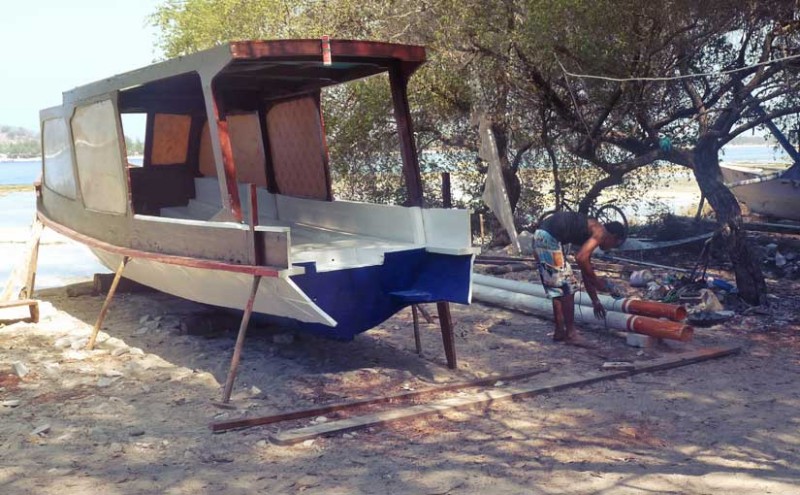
(723, 73)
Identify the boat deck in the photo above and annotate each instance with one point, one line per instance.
(330, 248)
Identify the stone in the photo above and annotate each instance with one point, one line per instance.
(62, 342)
(41, 430)
(20, 369)
(308, 443)
(119, 351)
(141, 331)
(639, 340)
(105, 381)
(144, 319)
(73, 355)
(10, 403)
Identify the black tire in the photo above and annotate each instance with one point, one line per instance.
(611, 213)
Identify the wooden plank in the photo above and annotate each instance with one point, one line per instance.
(491, 396)
(318, 411)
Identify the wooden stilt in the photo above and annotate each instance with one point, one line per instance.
(424, 313)
(417, 341)
(23, 276)
(107, 302)
(448, 338)
(237, 350)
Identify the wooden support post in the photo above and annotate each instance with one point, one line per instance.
(424, 313)
(408, 150)
(447, 196)
(107, 302)
(417, 341)
(480, 219)
(237, 350)
(33, 260)
(446, 322)
(23, 276)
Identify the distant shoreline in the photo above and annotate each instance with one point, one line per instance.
(39, 158)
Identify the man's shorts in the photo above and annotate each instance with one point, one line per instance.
(556, 273)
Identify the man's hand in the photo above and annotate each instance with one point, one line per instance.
(599, 310)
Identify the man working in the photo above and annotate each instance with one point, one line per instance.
(556, 274)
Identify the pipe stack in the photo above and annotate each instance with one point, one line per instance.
(624, 314)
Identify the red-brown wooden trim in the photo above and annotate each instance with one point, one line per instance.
(326, 166)
(229, 167)
(405, 131)
(158, 257)
(339, 48)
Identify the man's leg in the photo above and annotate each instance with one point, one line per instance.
(568, 309)
(572, 335)
(560, 333)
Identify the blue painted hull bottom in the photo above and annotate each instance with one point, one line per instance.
(362, 298)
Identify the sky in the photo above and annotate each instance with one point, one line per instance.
(51, 46)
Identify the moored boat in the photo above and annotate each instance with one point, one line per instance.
(769, 191)
(235, 187)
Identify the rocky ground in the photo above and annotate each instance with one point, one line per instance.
(132, 416)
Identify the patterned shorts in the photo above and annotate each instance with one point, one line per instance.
(555, 271)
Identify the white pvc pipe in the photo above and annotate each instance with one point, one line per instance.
(614, 320)
(581, 298)
(544, 307)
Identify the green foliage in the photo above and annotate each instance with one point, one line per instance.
(134, 147)
(27, 148)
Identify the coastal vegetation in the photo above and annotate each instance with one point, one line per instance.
(18, 142)
(21, 143)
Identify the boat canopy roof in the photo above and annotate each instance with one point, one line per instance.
(244, 71)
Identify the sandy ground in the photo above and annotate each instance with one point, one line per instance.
(132, 416)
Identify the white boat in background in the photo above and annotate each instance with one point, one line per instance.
(769, 190)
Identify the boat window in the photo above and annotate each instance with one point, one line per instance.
(248, 148)
(244, 131)
(170, 139)
(133, 128)
(59, 175)
(95, 132)
(297, 148)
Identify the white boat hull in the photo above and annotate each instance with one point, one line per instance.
(277, 296)
(763, 191)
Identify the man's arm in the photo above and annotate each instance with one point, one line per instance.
(583, 258)
(590, 280)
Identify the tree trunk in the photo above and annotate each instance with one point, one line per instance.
(513, 185)
(749, 278)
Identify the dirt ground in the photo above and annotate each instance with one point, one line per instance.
(132, 416)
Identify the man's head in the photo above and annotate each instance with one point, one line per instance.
(615, 236)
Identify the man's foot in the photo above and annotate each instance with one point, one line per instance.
(579, 342)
